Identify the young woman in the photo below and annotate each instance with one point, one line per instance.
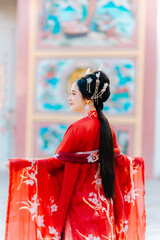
(88, 190)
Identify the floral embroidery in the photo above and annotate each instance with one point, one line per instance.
(97, 177)
(30, 174)
(99, 181)
(101, 205)
(29, 177)
(54, 208)
(113, 237)
(31, 206)
(93, 198)
(40, 221)
(53, 231)
(93, 157)
(89, 237)
(130, 196)
(123, 227)
(56, 156)
(92, 114)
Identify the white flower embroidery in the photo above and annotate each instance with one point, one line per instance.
(29, 182)
(125, 228)
(31, 206)
(53, 231)
(127, 198)
(93, 198)
(39, 235)
(90, 237)
(56, 156)
(54, 208)
(99, 181)
(40, 221)
(28, 175)
(103, 198)
(130, 197)
(47, 238)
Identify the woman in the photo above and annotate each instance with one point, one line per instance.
(88, 190)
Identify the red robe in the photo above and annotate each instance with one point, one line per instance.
(62, 197)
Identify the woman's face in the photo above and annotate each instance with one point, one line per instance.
(76, 100)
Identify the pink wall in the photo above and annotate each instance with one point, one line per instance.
(149, 87)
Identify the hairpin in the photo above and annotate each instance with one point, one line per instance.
(101, 92)
(87, 71)
(95, 94)
(100, 68)
(89, 80)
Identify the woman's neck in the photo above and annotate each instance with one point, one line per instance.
(86, 111)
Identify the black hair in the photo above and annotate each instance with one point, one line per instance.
(106, 153)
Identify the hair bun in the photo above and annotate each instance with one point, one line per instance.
(106, 94)
(95, 86)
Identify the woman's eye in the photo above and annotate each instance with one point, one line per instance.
(72, 93)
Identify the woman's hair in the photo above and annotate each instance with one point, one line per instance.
(106, 153)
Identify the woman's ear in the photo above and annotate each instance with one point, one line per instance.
(89, 101)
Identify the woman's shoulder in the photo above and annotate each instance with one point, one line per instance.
(84, 123)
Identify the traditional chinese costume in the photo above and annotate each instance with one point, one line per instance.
(62, 197)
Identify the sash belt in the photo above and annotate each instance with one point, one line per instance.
(82, 157)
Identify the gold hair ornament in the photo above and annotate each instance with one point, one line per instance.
(97, 94)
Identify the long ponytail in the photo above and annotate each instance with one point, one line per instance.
(106, 155)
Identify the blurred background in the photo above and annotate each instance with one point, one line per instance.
(45, 45)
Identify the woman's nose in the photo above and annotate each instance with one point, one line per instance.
(69, 98)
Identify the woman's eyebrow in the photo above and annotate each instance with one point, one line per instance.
(73, 91)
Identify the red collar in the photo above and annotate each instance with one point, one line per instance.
(92, 114)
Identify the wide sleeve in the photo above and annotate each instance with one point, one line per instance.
(39, 196)
(129, 201)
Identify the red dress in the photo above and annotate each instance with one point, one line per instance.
(62, 197)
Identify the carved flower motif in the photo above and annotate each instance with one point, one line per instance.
(93, 157)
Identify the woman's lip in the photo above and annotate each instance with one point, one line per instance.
(71, 103)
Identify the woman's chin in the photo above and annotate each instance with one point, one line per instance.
(72, 109)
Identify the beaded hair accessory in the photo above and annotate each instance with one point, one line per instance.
(101, 92)
(96, 94)
(89, 80)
